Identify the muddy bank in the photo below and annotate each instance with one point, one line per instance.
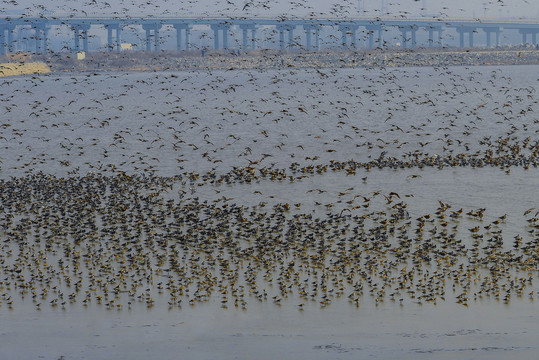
(195, 60)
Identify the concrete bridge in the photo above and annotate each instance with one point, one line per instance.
(224, 27)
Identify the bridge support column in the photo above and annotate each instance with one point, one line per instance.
(45, 39)
(156, 39)
(488, 33)
(290, 29)
(111, 43)
(84, 41)
(462, 30)
(290, 38)
(6, 42)
(119, 39)
(309, 28)
(343, 38)
(225, 36)
(524, 36)
(178, 38)
(10, 40)
(308, 34)
(432, 29)
(179, 28)
(244, 39)
(413, 30)
(348, 30)
(253, 38)
(215, 29)
(148, 39)
(80, 32)
(525, 32)
(371, 30)
(2, 41)
(404, 33)
(109, 37)
(84, 34)
(224, 28)
(76, 38)
(40, 34)
(498, 37)
(188, 38)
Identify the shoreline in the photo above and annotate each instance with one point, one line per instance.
(269, 59)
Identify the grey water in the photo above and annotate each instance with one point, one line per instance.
(171, 123)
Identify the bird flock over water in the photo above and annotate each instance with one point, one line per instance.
(224, 187)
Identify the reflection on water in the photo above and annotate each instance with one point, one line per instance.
(388, 213)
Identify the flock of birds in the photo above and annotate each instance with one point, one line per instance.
(176, 189)
(122, 241)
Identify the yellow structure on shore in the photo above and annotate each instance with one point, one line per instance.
(23, 68)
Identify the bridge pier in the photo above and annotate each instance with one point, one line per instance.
(525, 32)
(290, 38)
(348, 30)
(371, 30)
(179, 28)
(215, 29)
(85, 37)
(488, 33)
(2, 41)
(6, 46)
(188, 38)
(245, 36)
(462, 31)
(432, 29)
(290, 29)
(413, 39)
(10, 40)
(110, 42)
(156, 38)
(404, 31)
(41, 32)
(224, 28)
(80, 32)
(308, 36)
(309, 28)
(148, 38)
(76, 39)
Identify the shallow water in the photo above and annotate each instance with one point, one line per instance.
(168, 124)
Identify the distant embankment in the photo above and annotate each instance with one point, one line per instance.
(19, 64)
(187, 61)
(23, 68)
